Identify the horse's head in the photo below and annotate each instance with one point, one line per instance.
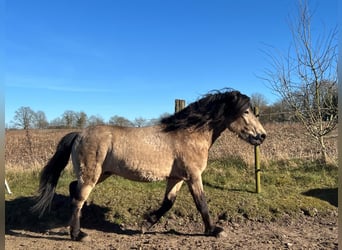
(248, 127)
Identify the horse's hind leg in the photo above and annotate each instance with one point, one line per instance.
(172, 187)
(79, 193)
(79, 196)
(73, 190)
(73, 185)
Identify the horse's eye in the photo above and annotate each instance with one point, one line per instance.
(247, 112)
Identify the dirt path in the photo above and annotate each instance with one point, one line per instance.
(304, 233)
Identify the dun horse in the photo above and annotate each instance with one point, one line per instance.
(175, 150)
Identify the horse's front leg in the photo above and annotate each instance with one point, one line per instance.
(197, 192)
(172, 187)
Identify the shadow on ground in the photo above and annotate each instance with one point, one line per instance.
(20, 221)
(327, 194)
(19, 217)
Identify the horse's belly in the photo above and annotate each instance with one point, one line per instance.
(143, 176)
(145, 157)
(141, 171)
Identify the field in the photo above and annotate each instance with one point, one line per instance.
(296, 209)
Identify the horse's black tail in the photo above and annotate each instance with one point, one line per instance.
(51, 172)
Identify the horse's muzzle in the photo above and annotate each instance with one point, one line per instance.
(257, 140)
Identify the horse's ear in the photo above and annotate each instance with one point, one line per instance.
(235, 97)
(239, 102)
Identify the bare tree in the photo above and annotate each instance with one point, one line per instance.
(69, 118)
(40, 120)
(140, 122)
(306, 77)
(24, 118)
(81, 119)
(57, 123)
(120, 121)
(95, 120)
(259, 100)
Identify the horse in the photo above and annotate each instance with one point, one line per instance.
(175, 150)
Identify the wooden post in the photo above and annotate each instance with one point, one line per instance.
(257, 160)
(179, 105)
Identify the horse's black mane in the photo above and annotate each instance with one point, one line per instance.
(214, 108)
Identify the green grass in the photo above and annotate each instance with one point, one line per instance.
(288, 188)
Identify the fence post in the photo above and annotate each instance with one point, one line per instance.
(179, 105)
(257, 160)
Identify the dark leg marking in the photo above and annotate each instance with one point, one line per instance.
(196, 190)
(76, 207)
(173, 186)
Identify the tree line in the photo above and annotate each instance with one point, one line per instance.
(27, 118)
(280, 111)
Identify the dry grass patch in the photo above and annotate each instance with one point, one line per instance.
(285, 141)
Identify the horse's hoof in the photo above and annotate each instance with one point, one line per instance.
(220, 233)
(82, 237)
(148, 223)
(217, 232)
(145, 226)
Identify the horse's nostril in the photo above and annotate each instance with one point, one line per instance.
(262, 136)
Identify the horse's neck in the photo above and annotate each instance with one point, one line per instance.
(216, 132)
(207, 133)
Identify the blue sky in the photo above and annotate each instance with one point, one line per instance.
(133, 58)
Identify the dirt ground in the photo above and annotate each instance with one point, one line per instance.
(303, 233)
